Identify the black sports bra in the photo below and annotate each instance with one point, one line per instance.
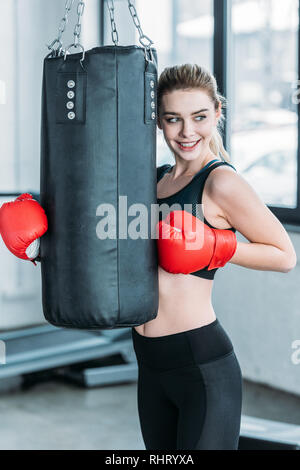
(192, 194)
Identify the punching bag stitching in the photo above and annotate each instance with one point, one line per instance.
(75, 326)
(118, 182)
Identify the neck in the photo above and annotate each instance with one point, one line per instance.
(183, 169)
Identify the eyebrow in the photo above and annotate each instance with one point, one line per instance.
(176, 114)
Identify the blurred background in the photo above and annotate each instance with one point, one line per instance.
(77, 389)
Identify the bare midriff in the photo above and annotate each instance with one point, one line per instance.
(184, 303)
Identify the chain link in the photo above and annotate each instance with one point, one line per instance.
(77, 32)
(61, 29)
(77, 29)
(114, 32)
(64, 21)
(137, 24)
(144, 40)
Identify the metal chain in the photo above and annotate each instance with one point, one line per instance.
(137, 23)
(144, 40)
(61, 29)
(77, 29)
(114, 33)
(77, 32)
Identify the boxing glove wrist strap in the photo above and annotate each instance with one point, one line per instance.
(225, 247)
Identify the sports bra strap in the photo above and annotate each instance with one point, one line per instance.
(209, 163)
(212, 164)
(215, 165)
(162, 170)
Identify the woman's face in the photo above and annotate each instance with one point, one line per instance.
(188, 117)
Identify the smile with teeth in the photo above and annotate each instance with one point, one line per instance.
(188, 145)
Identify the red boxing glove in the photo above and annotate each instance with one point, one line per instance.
(186, 244)
(22, 223)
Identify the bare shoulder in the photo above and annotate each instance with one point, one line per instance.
(230, 190)
(219, 181)
(220, 175)
(245, 210)
(225, 182)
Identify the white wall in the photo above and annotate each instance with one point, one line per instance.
(260, 311)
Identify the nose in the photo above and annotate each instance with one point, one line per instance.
(188, 130)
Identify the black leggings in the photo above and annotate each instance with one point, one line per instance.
(189, 390)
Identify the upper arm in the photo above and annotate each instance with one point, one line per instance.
(245, 210)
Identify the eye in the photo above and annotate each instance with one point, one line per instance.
(173, 120)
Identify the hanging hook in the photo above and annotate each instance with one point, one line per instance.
(76, 45)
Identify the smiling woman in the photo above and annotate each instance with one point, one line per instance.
(190, 382)
(201, 125)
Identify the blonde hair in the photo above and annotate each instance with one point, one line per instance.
(189, 76)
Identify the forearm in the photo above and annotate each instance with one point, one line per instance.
(261, 257)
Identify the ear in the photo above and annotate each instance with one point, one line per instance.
(218, 112)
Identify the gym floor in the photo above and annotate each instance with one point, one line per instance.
(53, 414)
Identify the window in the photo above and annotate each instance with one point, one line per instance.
(264, 119)
(252, 47)
(182, 31)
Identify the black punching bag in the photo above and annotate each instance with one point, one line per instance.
(98, 142)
